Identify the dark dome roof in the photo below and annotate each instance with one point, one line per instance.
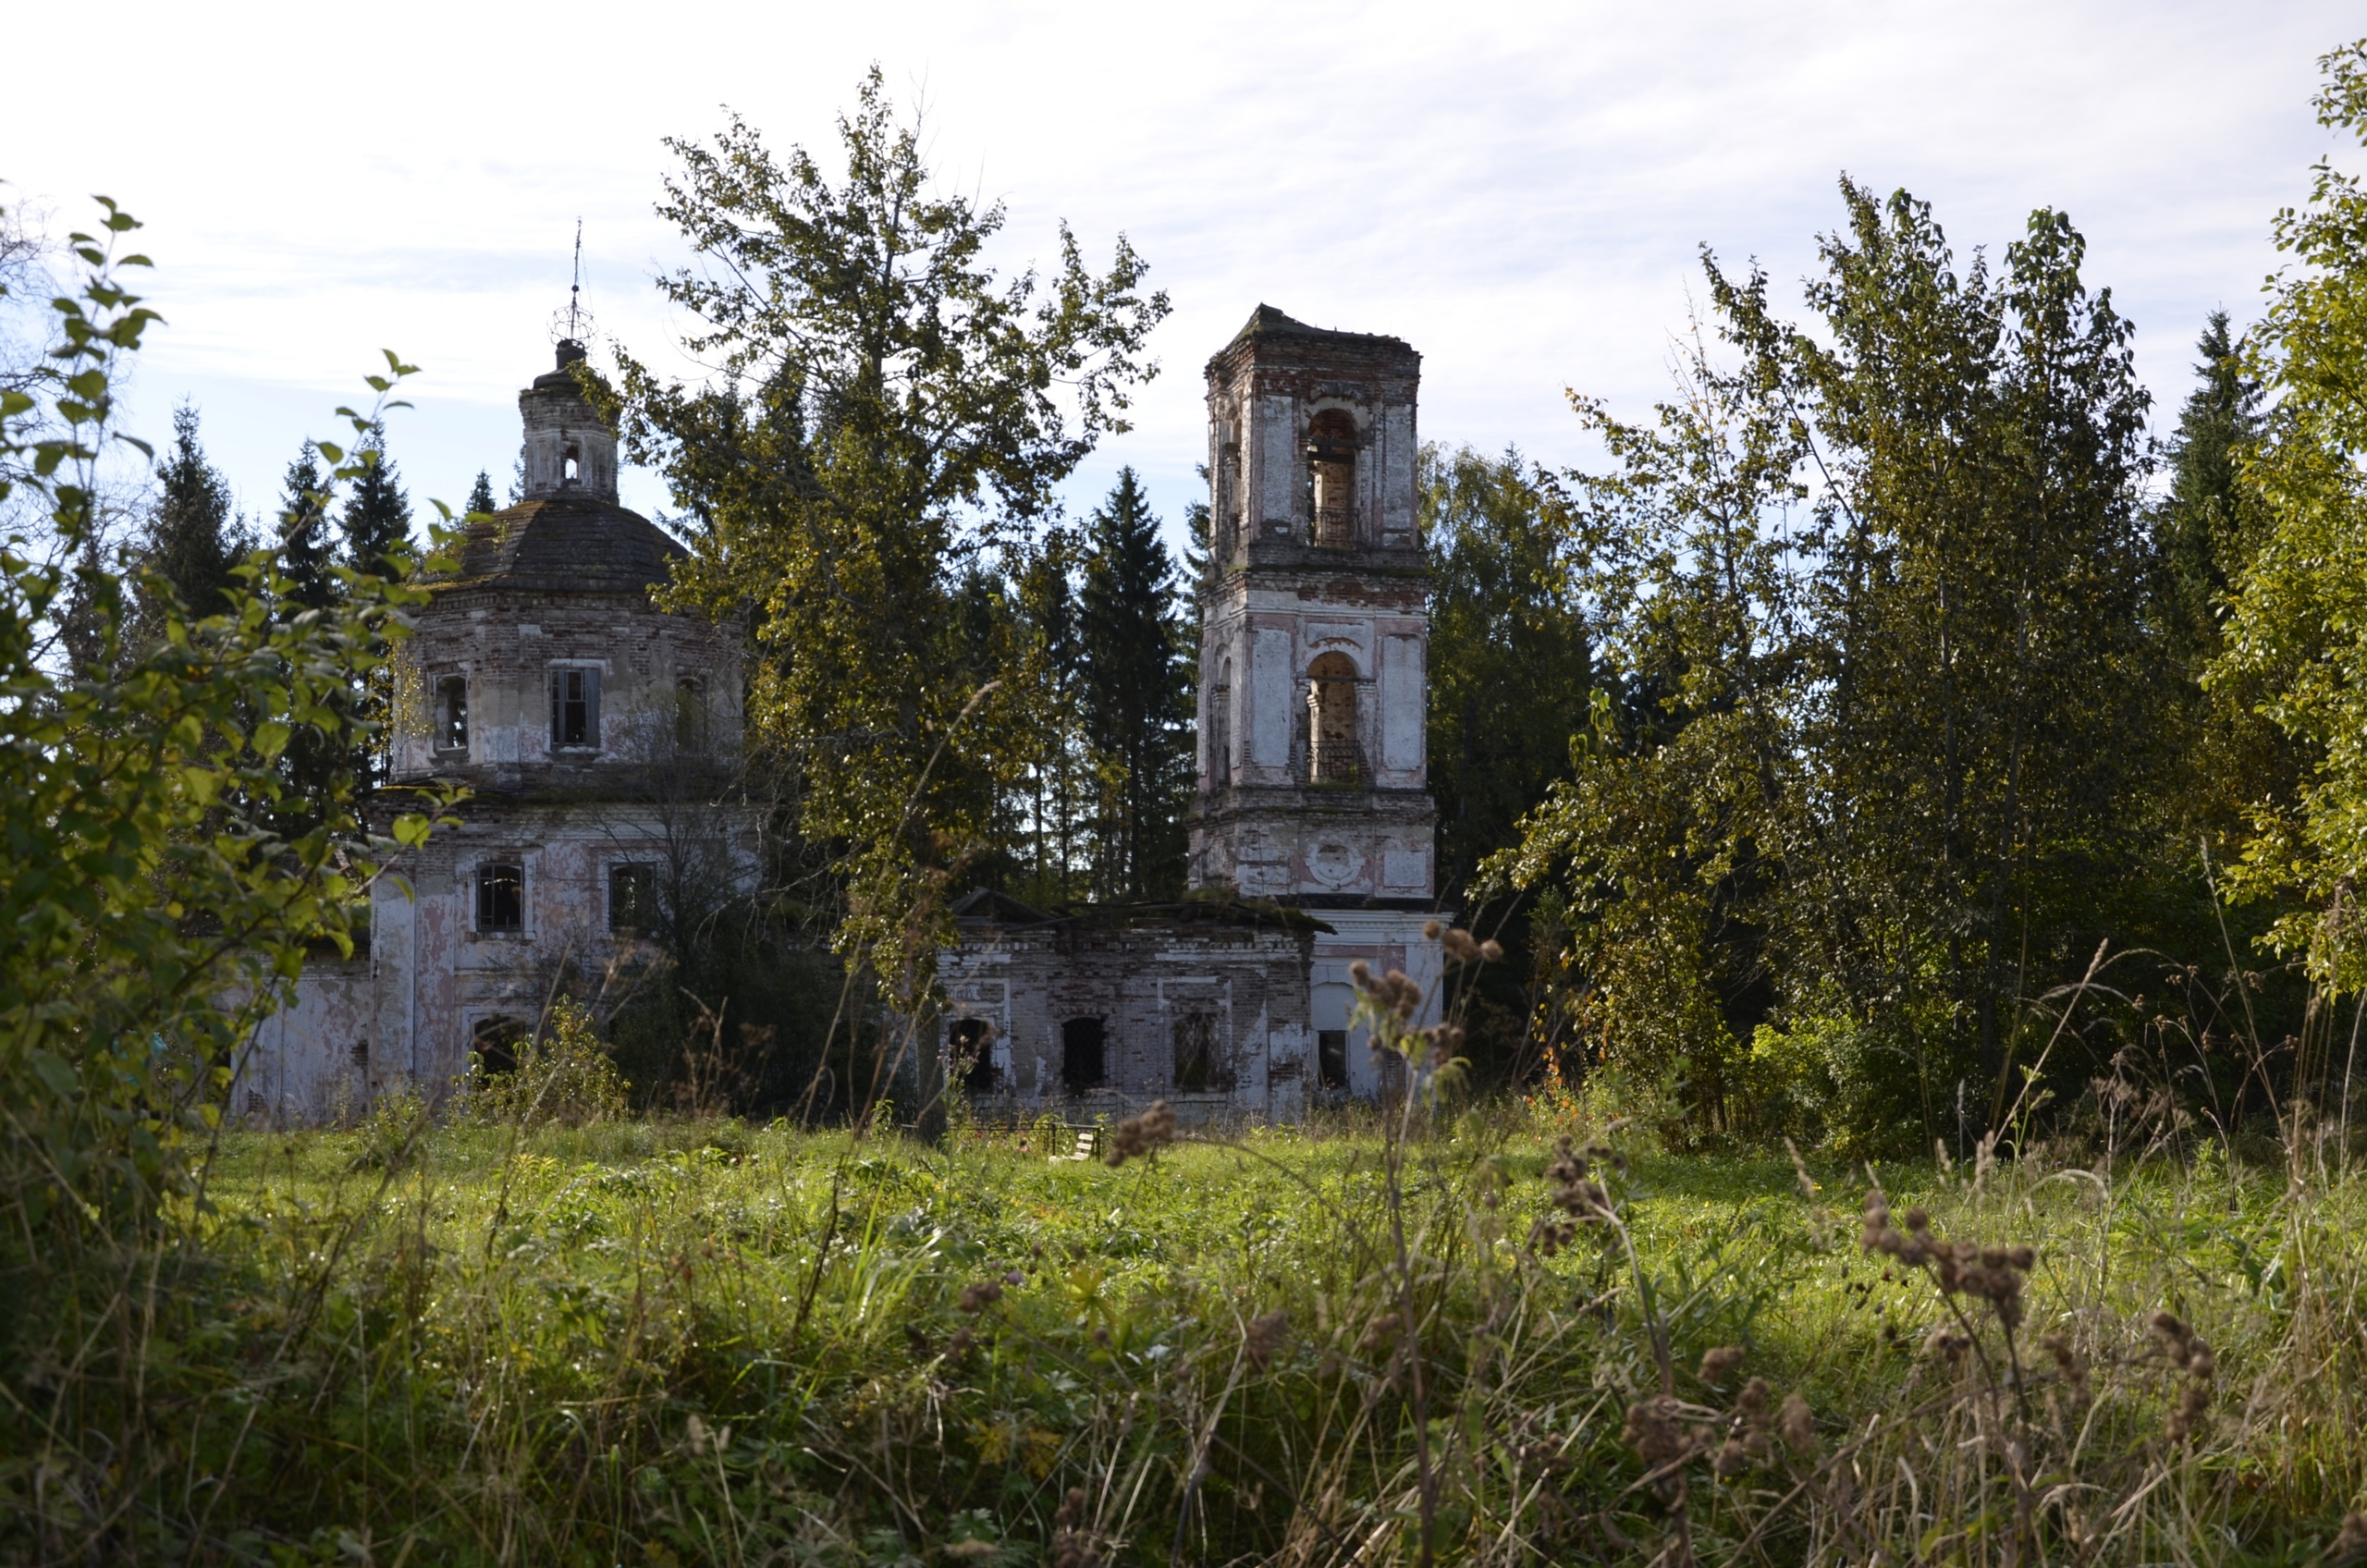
(567, 543)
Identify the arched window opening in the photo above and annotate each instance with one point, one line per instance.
(1333, 753)
(1083, 1065)
(1220, 726)
(1331, 477)
(575, 457)
(970, 1053)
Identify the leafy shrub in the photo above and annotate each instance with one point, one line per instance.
(564, 1077)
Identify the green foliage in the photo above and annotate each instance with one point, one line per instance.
(686, 1342)
(1136, 661)
(155, 914)
(563, 1078)
(1510, 655)
(481, 497)
(190, 544)
(2295, 638)
(882, 397)
(1880, 729)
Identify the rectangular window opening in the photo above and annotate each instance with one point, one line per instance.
(632, 900)
(452, 714)
(1199, 1065)
(1331, 1058)
(575, 706)
(501, 897)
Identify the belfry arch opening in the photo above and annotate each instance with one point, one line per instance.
(1331, 477)
(1333, 753)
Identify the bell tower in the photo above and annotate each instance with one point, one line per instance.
(1314, 787)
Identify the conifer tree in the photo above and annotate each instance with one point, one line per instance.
(305, 551)
(189, 539)
(2200, 524)
(318, 764)
(481, 498)
(1137, 679)
(377, 531)
(377, 514)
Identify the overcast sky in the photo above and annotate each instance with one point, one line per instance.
(1520, 192)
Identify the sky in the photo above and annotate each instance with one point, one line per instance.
(1519, 191)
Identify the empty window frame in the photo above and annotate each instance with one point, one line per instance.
(1331, 478)
(1333, 755)
(632, 900)
(689, 714)
(452, 713)
(1200, 1067)
(575, 706)
(493, 1046)
(1220, 726)
(970, 1054)
(1331, 1058)
(1083, 1063)
(501, 897)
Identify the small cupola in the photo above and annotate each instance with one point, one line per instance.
(569, 451)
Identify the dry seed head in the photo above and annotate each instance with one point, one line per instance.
(1266, 1337)
(1751, 1403)
(980, 1296)
(2351, 1541)
(1657, 1434)
(1431, 929)
(1797, 1425)
(1718, 1365)
(1138, 1135)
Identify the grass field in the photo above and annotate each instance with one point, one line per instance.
(693, 1342)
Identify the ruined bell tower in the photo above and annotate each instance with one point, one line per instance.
(1313, 782)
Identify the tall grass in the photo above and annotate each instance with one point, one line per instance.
(662, 1341)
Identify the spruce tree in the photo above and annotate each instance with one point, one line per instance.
(305, 551)
(2200, 526)
(189, 540)
(377, 513)
(377, 529)
(1136, 672)
(318, 762)
(481, 498)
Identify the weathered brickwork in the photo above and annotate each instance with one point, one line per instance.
(1112, 1009)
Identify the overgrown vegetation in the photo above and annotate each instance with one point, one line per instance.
(662, 1341)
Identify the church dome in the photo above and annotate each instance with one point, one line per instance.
(563, 544)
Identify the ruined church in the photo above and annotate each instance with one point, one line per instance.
(594, 732)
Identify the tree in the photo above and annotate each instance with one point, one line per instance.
(305, 552)
(2296, 628)
(1137, 660)
(881, 395)
(190, 543)
(2203, 525)
(1882, 753)
(481, 496)
(377, 514)
(1512, 669)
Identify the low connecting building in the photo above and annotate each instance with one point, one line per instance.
(1312, 830)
